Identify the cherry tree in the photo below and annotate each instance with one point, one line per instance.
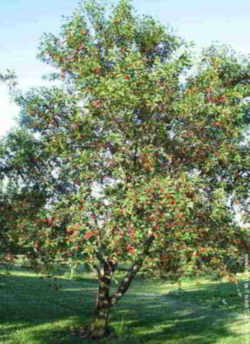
(152, 151)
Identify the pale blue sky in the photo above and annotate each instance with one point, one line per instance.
(22, 22)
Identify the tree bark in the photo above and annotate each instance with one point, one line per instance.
(125, 283)
(99, 327)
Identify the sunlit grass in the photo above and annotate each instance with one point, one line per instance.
(35, 310)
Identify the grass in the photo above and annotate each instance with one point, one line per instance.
(35, 310)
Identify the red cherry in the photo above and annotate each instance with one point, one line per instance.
(49, 221)
(97, 70)
(97, 103)
(131, 249)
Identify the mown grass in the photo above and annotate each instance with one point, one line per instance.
(35, 310)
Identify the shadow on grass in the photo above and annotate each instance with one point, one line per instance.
(202, 315)
(30, 301)
(43, 310)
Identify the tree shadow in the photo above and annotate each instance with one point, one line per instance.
(187, 316)
(30, 301)
(202, 315)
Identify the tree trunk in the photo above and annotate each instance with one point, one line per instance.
(99, 327)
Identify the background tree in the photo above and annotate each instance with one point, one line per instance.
(9, 79)
(31, 183)
(22, 194)
(153, 161)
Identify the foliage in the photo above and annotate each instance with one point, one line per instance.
(9, 78)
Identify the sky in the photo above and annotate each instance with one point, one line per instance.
(22, 22)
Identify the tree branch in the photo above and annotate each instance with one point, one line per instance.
(125, 283)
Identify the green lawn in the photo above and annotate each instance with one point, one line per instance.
(36, 310)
